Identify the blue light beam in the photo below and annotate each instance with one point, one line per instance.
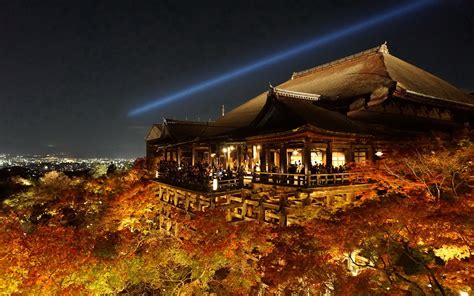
(284, 54)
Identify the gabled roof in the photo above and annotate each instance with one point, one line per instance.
(369, 71)
(282, 113)
(374, 72)
(181, 130)
(173, 131)
(244, 114)
(321, 118)
(155, 132)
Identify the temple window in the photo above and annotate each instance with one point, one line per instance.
(360, 155)
(338, 159)
(317, 157)
(296, 156)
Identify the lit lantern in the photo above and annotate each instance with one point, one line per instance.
(214, 184)
(379, 153)
(224, 150)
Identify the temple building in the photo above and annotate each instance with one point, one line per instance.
(344, 111)
(293, 145)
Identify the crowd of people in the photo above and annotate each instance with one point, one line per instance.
(198, 176)
(316, 168)
(296, 173)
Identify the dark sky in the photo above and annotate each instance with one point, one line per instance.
(71, 70)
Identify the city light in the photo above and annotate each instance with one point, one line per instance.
(317, 42)
(37, 165)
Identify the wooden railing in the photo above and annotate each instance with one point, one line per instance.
(217, 184)
(213, 184)
(210, 185)
(303, 180)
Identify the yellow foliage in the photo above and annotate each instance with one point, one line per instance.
(452, 252)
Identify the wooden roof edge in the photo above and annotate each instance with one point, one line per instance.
(416, 96)
(186, 122)
(308, 127)
(149, 131)
(383, 48)
(294, 94)
(204, 139)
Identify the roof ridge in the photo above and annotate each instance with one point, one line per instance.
(383, 48)
(295, 94)
(189, 122)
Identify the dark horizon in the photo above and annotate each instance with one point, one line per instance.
(72, 71)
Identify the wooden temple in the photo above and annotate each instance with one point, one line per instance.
(301, 133)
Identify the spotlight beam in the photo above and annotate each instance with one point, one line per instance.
(285, 54)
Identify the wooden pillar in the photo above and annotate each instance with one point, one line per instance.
(307, 161)
(350, 152)
(329, 154)
(371, 153)
(239, 156)
(179, 156)
(307, 155)
(282, 210)
(263, 160)
(245, 156)
(267, 160)
(261, 210)
(283, 159)
(193, 154)
(209, 152)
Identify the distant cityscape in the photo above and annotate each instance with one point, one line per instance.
(38, 165)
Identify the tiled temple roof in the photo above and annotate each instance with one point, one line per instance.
(369, 72)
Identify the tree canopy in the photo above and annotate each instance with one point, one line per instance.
(410, 234)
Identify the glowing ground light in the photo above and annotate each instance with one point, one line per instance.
(268, 60)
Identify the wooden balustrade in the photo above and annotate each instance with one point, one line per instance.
(293, 180)
(303, 180)
(214, 184)
(226, 184)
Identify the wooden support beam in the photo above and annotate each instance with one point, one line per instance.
(239, 156)
(282, 211)
(193, 154)
(263, 160)
(350, 153)
(261, 210)
(307, 159)
(178, 152)
(371, 152)
(329, 154)
(283, 159)
(209, 152)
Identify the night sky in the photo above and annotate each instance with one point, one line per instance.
(72, 70)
